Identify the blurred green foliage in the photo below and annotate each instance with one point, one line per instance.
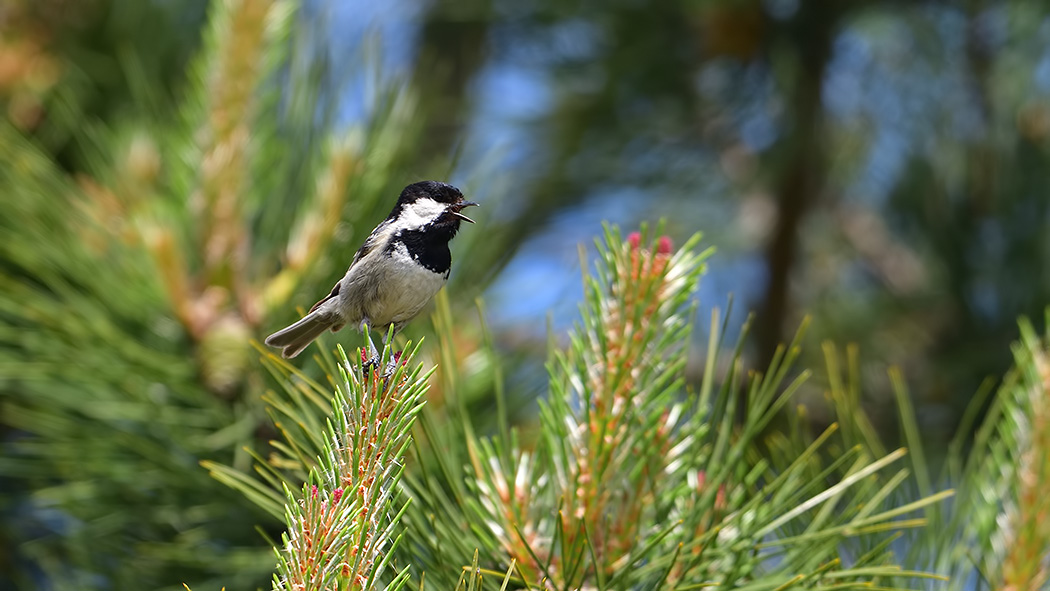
(175, 179)
(141, 255)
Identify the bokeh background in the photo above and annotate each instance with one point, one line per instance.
(177, 176)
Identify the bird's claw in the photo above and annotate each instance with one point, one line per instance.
(374, 362)
(369, 362)
(391, 365)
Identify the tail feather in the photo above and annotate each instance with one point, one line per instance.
(293, 339)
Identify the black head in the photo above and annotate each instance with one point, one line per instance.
(432, 205)
(436, 190)
(427, 216)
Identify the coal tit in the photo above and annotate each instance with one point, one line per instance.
(399, 268)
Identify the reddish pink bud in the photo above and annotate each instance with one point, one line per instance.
(364, 356)
(313, 491)
(397, 357)
(336, 495)
(663, 246)
(635, 239)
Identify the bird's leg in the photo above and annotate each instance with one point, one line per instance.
(373, 355)
(395, 356)
(391, 365)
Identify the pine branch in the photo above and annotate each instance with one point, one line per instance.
(995, 530)
(342, 522)
(636, 482)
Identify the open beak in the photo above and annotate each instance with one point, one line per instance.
(458, 206)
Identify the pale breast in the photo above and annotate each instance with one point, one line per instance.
(405, 288)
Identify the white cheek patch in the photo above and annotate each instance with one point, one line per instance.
(420, 213)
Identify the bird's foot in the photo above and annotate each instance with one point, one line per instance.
(369, 362)
(391, 365)
(374, 361)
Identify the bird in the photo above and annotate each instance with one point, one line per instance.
(402, 264)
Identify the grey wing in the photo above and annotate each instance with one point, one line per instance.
(373, 240)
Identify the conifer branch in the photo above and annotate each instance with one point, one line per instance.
(342, 524)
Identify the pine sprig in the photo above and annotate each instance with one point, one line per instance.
(636, 482)
(995, 530)
(1027, 523)
(342, 523)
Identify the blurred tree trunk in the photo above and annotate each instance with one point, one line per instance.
(802, 159)
(452, 48)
